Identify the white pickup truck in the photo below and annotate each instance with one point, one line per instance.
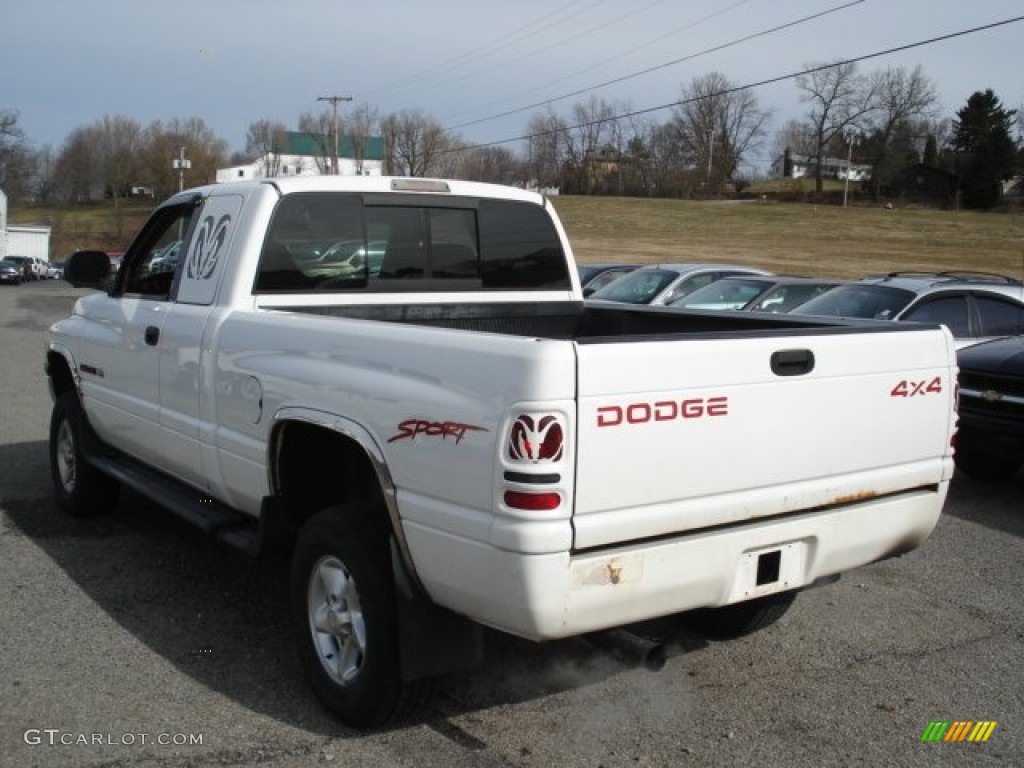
(398, 383)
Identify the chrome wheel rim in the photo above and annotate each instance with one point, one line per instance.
(66, 456)
(336, 620)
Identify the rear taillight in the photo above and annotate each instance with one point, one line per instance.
(532, 502)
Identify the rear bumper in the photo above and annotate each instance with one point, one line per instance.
(563, 594)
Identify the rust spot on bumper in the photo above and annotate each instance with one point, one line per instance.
(853, 498)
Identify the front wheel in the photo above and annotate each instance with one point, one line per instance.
(739, 619)
(81, 489)
(344, 617)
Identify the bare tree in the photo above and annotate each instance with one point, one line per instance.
(17, 162)
(546, 148)
(795, 136)
(670, 170)
(73, 169)
(117, 142)
(413, 143)
(321, 128)
(161, 145)
(717, 125)
(588, 142)
(839, 98)
(264, 140)
(901, 97)
(361, 126)
(496, 165)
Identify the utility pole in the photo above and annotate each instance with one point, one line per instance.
(334, 103)
(181, 164)
(711, 154)
(852, 139)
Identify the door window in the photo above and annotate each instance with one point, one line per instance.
(153, 259)
(950, 312)
(999, 317)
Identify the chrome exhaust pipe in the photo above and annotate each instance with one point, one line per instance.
(631, 648)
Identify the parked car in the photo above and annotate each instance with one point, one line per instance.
(596, 276)
(27, 265)
(344, 258)
(661, 284)
(975, 306)
(990, 440)
(761, 294)
(55, 270)
(11, 272)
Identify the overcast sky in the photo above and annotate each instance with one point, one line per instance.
(66, 63)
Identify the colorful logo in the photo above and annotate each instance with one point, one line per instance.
(958, 730)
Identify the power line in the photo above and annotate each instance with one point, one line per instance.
(502, 41)
(604, 61)
(758, 84)
(665, 65)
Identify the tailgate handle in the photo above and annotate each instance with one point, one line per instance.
(792, 362)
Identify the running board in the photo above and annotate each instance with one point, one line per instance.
(209, 515)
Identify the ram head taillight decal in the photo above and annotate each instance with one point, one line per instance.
(536, 438)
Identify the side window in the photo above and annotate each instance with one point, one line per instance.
(313, 239)
(153, 258)
(950, 312)
(688, 285)
(1000, 318)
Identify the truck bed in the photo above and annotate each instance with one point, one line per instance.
(593, 322)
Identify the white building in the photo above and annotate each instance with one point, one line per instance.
(310, 154)
(794, 166)
(22, 240)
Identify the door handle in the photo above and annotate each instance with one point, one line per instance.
(792, 362)
(152, 335)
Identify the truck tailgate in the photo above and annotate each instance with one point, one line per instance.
(678, 435)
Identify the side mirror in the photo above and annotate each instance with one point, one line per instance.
(88, 269)
(588, 292)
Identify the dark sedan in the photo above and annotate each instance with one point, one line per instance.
(990, 440)
(10, 272)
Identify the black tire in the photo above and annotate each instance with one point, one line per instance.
(81, 489)
(344, 617)
(986, 467)
(739, 619)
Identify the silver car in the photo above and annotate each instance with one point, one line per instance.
(661, 284)
(975, 306)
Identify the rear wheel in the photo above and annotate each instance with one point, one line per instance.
(344, 617)
(81, 489)
(739, 619)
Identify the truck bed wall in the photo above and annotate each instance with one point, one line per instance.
(586, 323)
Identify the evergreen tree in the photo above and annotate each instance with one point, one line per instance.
(986, 153)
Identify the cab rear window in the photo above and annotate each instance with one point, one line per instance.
(327, 242)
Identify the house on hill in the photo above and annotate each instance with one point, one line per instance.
(310, 154)
(793, 166)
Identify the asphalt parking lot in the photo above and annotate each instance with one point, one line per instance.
(130, 640)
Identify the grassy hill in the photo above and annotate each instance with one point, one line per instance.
(793, 238)
(97, 225)
(784, 237)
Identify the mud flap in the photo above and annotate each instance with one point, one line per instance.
(432, 640)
